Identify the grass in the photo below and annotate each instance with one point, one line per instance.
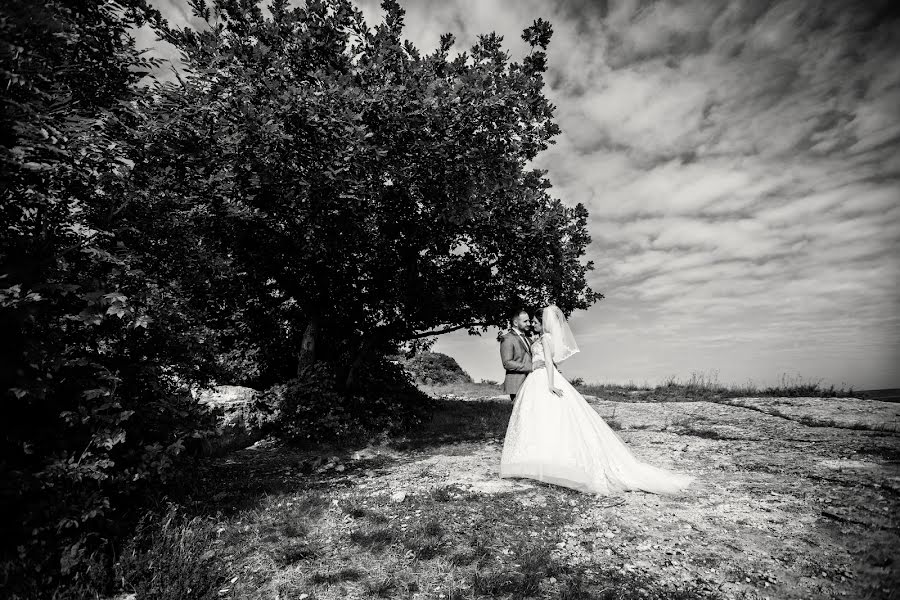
(172, 556)
(266, 523)
(699, 386)
(485, 389)
(258, 524)
(333, 577)
(465, 547)
(254, 525)
(374, 539)
(706, 386)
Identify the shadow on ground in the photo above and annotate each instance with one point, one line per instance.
(788, 504)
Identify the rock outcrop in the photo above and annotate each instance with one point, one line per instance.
(244, 413)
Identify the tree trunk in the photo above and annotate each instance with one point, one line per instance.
(307, 354)
(364, 349)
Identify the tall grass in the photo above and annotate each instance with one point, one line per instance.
(706, 386)
(699, 386)
(171, 556)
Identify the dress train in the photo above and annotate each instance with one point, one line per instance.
(562, 440)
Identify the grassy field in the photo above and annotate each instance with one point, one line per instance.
(791, 502)
(706, 386)
(699, 386)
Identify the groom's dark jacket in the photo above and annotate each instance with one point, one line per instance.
(515, 352)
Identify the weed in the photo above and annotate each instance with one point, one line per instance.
(293, 530)
(706, 386)
(293, 552)
(461, 558)
(382, 587)
(354, 509)
(574, 588)
(701, 432)
(441, 494)
(333, 577)
(171, 557)
(375, 540)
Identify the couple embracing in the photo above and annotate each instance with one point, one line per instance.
(553, 434)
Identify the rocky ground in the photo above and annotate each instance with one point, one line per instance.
(795, 498)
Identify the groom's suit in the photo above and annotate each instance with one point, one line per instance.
(515, 352)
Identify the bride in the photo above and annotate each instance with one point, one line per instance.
(556, 437)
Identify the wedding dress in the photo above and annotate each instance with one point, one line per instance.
(562, 440)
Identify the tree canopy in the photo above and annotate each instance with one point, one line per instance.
(311, 191)
(383, 194)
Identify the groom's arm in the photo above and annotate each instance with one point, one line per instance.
(507, 353)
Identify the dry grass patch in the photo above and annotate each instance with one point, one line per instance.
(333, 542)
(774, 509)
(464, 390)
(706, 386)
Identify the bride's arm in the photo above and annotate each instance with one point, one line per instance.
(548, 357)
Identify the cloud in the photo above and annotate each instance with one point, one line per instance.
(741, 164)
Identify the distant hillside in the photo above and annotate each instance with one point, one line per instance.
(432, 368)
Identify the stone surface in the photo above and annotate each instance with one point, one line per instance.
(240, 408)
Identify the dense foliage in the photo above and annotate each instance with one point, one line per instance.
(434, 368)
(313, 408)
(311, 195)
(357, 193)
(93, 343)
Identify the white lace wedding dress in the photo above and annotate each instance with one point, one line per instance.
(562, 440)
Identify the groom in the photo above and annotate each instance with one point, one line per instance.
(515, 352)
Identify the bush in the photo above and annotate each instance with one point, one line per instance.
(87, 460)
(313, 409)
(387, 399)
(434, 368)
(95, 342)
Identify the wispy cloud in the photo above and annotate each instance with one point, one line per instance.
(741, 163)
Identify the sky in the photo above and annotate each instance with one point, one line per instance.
(740, 161)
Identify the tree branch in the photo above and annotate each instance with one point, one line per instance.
(448, 330)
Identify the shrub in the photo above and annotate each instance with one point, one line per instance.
(94, 341)
(311, 409)
(314, 409)
(434, 368)
(88, 459)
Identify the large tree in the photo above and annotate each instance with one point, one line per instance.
(308, 179)
(375, 193)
